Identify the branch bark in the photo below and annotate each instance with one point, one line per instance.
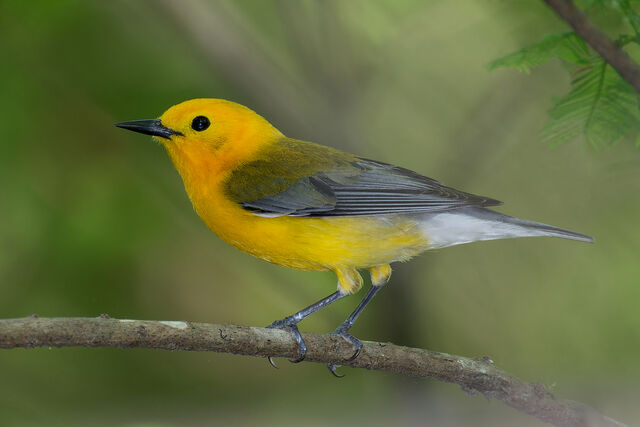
(473, 375)
(612, 53)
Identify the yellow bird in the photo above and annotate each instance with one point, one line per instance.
(311, 207)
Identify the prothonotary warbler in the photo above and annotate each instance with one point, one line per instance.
(312, 207)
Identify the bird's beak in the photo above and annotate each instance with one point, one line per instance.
(149, 127)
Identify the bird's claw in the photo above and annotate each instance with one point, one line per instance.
(290, 326)
(332, 369)
(353, 340)
(271, 362)
(342, 332)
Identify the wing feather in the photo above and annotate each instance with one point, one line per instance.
(333, 183)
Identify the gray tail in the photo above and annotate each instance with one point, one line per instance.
(533, 228)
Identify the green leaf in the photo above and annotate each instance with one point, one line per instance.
(566, 46)
(601, 107)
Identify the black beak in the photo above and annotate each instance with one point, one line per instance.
(149, 127)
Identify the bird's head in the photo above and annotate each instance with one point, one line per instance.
(207, 133)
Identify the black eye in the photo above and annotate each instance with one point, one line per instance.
(200, 123)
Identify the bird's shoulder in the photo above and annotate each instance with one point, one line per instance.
(281, 165)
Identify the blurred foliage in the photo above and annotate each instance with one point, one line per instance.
(566, 46)
(601, 106)
(95, 219)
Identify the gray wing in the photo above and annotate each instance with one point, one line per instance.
(365, 187)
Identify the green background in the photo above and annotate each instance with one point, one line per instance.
(95, 220)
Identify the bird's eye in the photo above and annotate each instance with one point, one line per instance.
(200, 123)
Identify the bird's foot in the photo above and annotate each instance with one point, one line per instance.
(290, 324)
(342, 332)
(357, 345)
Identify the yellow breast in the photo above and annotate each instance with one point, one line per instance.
(312, 243)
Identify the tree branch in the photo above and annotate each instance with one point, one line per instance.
(612, 53)
(473, 375)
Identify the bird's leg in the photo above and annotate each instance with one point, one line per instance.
(290, 322)
(380, 275)
(343, 329)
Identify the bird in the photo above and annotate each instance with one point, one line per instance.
(312, 207)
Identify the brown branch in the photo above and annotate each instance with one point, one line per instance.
(473, 375)
(612, 53)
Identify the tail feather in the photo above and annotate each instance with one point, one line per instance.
(472, 224)
(548, 230)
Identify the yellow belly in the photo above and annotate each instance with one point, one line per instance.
(304, 243)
